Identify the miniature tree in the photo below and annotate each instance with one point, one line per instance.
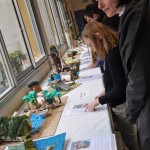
(26, 100)
(50, 96)
(29, 144)
(58, 94)
(33, 98)
(53, 49)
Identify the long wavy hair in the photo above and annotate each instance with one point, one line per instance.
(108, 40)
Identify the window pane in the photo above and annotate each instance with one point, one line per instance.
(62, 14)
(57, 21)
(5, 83)
(31, 29)
(47, 4)
(13, 37)
(46, 22)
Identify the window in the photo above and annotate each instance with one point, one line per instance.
(13, 37)
(5, 79)
(46, 22)
(57, 21)
(63, 17)
(31, 29)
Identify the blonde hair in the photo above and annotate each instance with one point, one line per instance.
(108, 39)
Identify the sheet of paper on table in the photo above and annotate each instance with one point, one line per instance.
(104, 142)
(80, 109)
(76, 109)
(88, 78)
(86, 53)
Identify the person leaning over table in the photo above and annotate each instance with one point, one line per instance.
(93, 13)
(104, 42)
(134, 47)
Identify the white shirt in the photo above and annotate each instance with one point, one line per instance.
(121, 10)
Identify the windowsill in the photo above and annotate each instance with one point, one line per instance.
(31, 77)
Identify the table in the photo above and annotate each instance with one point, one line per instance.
(89, 124)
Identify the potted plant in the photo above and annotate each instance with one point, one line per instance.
(53, 49)
(16, 58)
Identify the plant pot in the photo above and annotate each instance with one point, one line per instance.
(37, 88)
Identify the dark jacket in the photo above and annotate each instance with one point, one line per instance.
(112, 22)
(134, 46)
(114, 80)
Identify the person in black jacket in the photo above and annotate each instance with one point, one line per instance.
(104, 41)
(134, 47)
(93, 13)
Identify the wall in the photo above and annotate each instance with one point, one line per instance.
(77, 7)
(79, 4)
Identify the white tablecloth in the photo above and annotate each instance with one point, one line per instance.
(89, 124)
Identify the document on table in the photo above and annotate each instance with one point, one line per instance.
(76, 109)
(105, 142)
(80, 109)
(85, 54)
(86, 62)
(86, 58)
(85, 69)
(88, 78)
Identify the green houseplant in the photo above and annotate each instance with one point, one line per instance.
(53, 49)
(16, 58)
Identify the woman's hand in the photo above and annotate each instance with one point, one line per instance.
(91, 106)
(92, 66)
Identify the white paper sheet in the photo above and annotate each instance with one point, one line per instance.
(76, 109)
(80, 109)
(88, 78)
(88, 61)
(105, 142)
(86, 53)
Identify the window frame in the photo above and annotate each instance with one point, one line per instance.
(51, 39)
(36, 34)
(8, 68)
(52, 11)
(61, 11)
